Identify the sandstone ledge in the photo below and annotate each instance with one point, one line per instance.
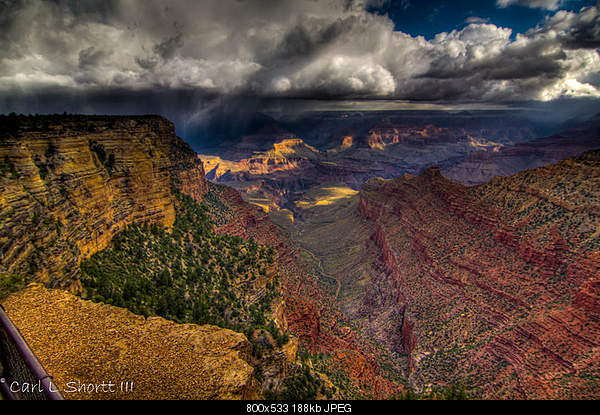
(83, 342)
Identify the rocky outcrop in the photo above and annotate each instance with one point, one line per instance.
(385, 135)
(498, 283)
(278, 176)
(69, 183)
(83, 343)
(286, 155)
(347, 143)
(481, 166)
(219, 170)
(389, 133)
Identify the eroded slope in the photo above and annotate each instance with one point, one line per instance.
(499, 283)
(68, 184)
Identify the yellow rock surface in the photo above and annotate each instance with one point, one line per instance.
(81, 343)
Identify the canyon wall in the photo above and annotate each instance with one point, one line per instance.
(311, 314)
(481, 166)
(499, 283)
(69, 183)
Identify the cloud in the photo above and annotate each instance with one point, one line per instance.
(332, 49)
(477, 20)
(533, 4)
(575, 30)
(378, 4)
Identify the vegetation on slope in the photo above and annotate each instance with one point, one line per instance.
(455, 392)
(188, 274)
(10, 283)
(302, 385)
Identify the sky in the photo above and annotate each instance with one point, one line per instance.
(428, 18)
(187, 56)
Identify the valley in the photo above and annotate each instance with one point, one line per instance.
(462, 285)
(296, 271)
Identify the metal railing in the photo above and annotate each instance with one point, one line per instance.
(22, 377)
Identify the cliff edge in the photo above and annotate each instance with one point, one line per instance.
(68, 184)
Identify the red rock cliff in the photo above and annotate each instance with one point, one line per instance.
(499, 283)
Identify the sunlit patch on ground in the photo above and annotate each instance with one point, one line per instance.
(264, 204)
(485, 144)
(325, 196)
(269, 207)
(288, 214)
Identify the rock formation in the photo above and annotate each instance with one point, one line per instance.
(356, 149)
(284, 156)
(70, 183)
(497, 284)
(481, 166)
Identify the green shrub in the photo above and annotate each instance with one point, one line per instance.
(10, 283)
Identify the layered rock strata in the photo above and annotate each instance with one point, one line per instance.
(70, 183)
(499, 284)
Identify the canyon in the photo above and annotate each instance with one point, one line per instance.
(351, 260)
(493, 286)
(283, 171)
(76, 193)
(465, 272)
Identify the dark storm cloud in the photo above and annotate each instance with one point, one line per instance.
(91, 56)
(577, 30)
(285, 49)
(511, 64)
(168, 47)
